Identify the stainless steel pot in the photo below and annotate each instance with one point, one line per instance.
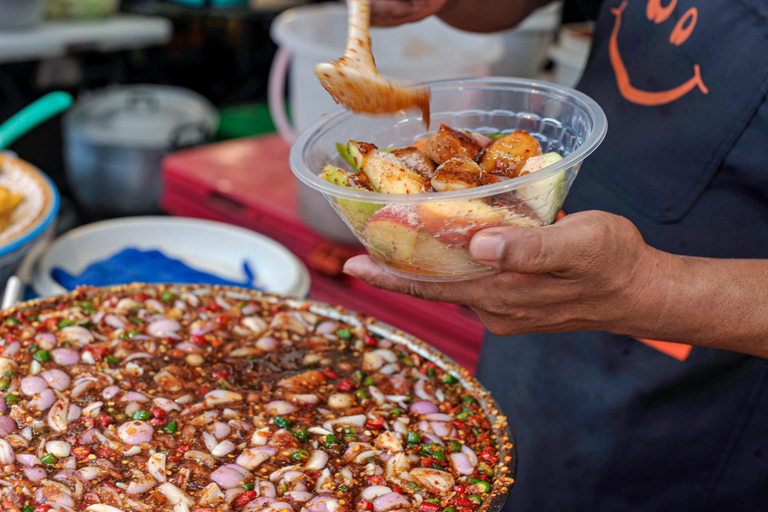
(116, 138)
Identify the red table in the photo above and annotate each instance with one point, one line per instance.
(248, 182)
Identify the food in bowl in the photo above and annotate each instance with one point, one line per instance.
(9, 201)
(562, 120)
(448, 160)
(25, 198)
(213, 399)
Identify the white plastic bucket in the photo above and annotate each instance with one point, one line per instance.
(418, 52)
(527, 45)
(571, 53)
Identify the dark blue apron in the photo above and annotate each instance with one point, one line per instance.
(603, 422)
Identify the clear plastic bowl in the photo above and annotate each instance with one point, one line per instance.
(426, 236)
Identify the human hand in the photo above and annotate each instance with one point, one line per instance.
(591, 270)
(391, 13)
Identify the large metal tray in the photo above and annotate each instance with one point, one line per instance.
(506, 469)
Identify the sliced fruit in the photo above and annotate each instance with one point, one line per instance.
(544, 197)
(387, 174)
(392, 231)
(457, 174)
(356, 212)
(344, 153)
(336, 175)
(455, 223)
(358, 152)
(507, 155)
(448, 143)
(416, 161)
(421, 144)
(429, 254)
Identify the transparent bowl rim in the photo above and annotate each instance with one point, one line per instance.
(581, 100)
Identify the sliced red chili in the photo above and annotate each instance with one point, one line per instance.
(328, 372)
(487, 457)
(221, 375)
(397, 489)
(375, 423)
(370, 340)
(196, 338)
(364, 505)
(183, 448)
(245, 498)
(377, 480)
(459, 489)
(429, 507)
(462, 502)
(42, 508)
(345, 385)
(157, 413)
(222, 319)
(116, 489)
(81, 452)
(105, 420)
(98, 352)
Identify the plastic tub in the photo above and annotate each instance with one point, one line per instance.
(426, 235)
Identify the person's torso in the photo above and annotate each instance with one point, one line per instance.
(604, 422)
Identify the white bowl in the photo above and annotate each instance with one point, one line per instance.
(213, 247)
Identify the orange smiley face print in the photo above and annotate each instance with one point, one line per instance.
(658, 14)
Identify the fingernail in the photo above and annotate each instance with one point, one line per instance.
(352, 268)
(487, 247)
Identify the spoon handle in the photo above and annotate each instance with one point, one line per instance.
(359, 35)
(33, 115)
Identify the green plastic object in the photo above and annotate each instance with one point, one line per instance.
(246, 120)
(33, 115)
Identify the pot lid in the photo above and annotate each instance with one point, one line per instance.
(144, 116)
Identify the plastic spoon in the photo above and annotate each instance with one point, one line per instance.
(33, 115)
(354, 81)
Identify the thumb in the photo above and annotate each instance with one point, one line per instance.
(527, 250)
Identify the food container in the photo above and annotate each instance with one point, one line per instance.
(33, 221)
(208, 246)
(417, 52)
(504, 470)
(426, 236)
(115, 140)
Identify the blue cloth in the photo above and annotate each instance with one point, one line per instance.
(603, 422)
(134, 265)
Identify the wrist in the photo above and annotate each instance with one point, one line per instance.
(649, 297)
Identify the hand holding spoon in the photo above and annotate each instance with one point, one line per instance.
(354, 81)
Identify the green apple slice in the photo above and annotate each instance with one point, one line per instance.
(544, 197)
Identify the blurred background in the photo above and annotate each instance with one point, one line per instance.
(188, 107)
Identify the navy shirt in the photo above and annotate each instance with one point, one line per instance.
(603, 422)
